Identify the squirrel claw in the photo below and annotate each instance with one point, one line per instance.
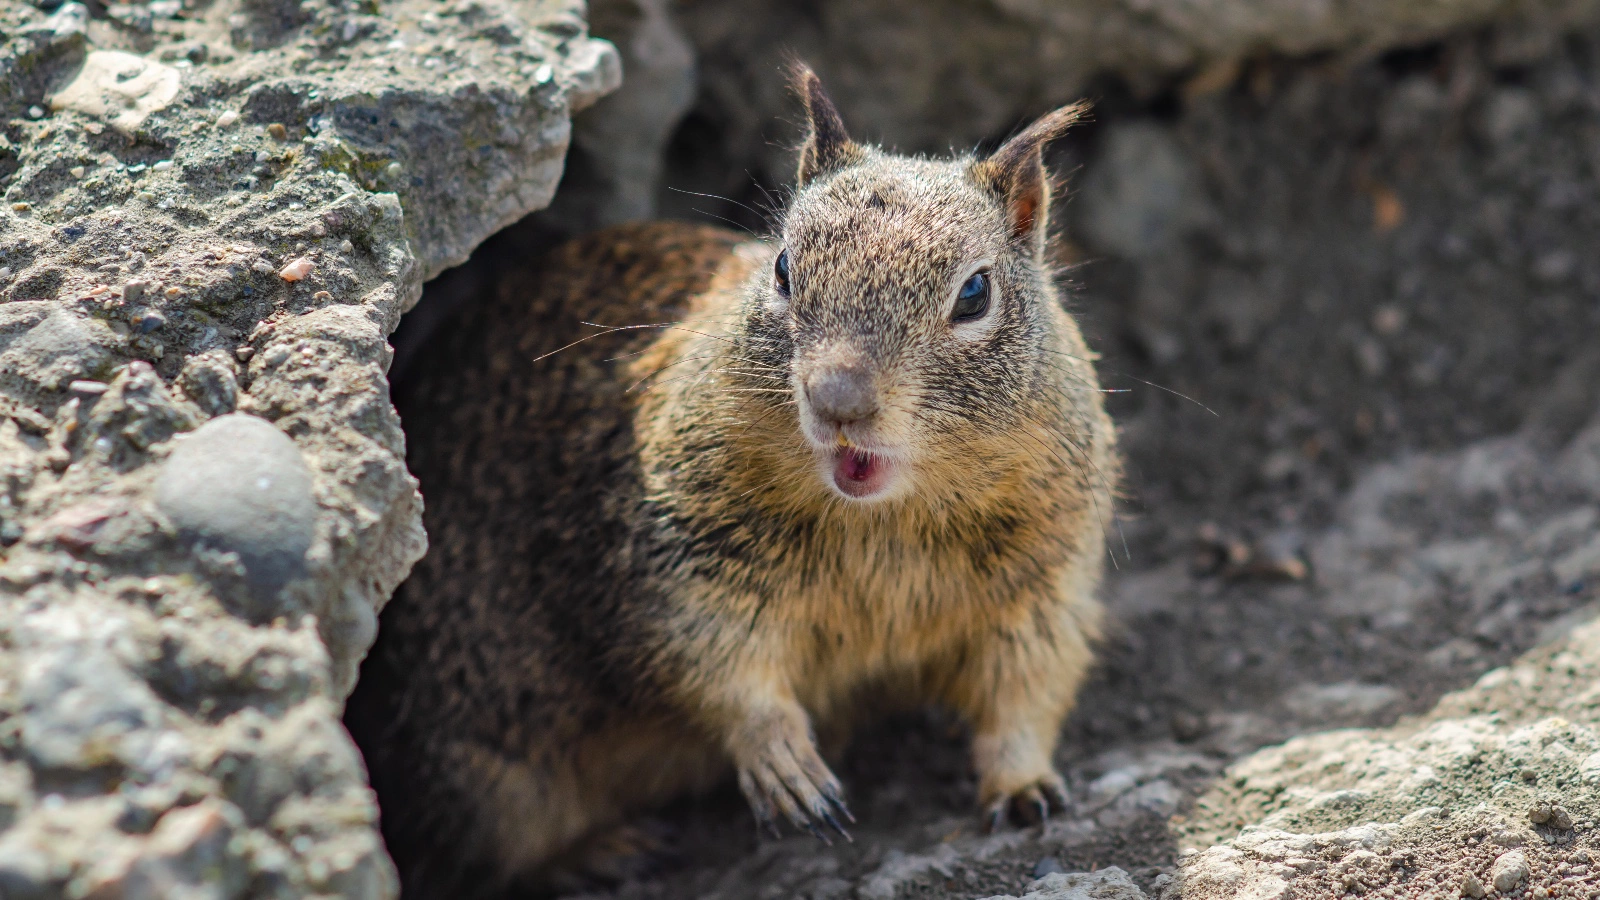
(1033, 803)
(997, 817)
(1056, 791)
(834, 798)
(783, 775)
(766, 824)
(834, 824)
(818, 833)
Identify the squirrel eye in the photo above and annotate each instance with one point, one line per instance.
(780, 273)
(972, 301)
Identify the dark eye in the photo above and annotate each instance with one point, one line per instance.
(780, 273)
(972, 301)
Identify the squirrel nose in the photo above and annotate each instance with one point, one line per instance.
(842, 395)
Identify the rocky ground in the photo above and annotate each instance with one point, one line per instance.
(1350, 304)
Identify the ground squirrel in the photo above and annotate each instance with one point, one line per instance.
(690, 494)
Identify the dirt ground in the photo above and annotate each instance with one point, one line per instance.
(1351, 367)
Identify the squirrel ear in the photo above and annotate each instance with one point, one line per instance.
(1016, 173)
(828, 147)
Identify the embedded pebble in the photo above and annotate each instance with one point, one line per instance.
(1551, 815)
(277, 131)
(120, 88)
(1509, 871)
(1472, 887)
(46, 344)
(210, 381)
(239, 484)
(150, 321)
(227, 119)
(86, 708)
(296, 269)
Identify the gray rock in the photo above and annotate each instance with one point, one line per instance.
(43, 347)
(161, 172)
(1157, 798)
(901, 868)
(240, 485)
(1476, 760)
(1345, 702)
(1110, 883)
(614, 168)
(1014, 59)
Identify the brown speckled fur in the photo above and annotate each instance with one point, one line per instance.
(640, 578)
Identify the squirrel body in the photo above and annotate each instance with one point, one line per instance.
(691, 496)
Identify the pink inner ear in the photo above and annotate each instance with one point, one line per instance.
(1025, 197)
(1024, 210)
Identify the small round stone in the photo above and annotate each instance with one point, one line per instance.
(1509, 871)
(238, 484)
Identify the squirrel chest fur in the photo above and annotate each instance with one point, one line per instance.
(690, 495)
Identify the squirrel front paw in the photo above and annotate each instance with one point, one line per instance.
(780, 771)
(1015, 775)
(1030, 797)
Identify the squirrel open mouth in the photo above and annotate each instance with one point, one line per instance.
(860, 474)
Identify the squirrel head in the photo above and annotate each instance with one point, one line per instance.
(910, 303)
